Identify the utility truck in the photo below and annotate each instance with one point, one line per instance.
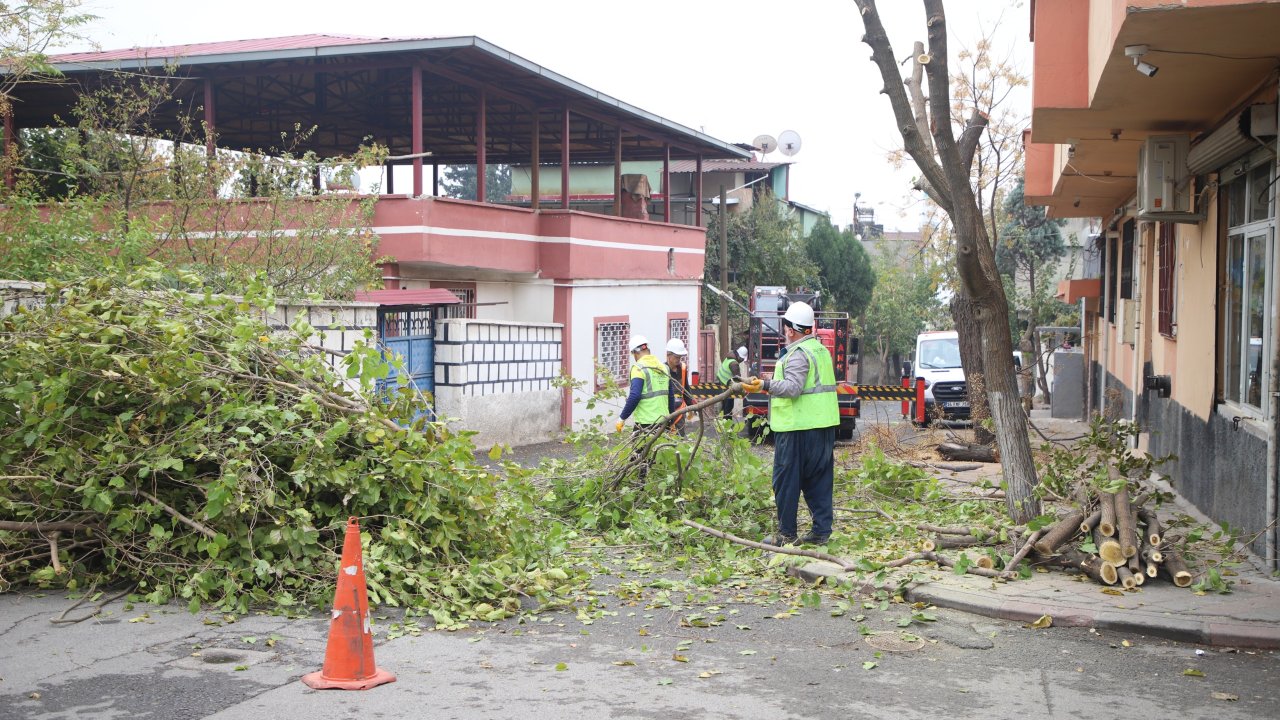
(766, 342)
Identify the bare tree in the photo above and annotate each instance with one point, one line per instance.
(946, 161)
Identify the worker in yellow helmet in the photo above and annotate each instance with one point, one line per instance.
(803, 415)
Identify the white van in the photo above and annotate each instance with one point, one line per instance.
(937, 360)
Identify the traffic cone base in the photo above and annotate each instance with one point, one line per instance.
(348, 658)
(318, 681)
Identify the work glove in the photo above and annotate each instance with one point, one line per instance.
(753, 384)
(618, 427)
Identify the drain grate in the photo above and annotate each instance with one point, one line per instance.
(892, 642)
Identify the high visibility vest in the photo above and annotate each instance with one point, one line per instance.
(723, 373)
(653, 398)
(817, 406)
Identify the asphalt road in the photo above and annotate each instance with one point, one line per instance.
(150, 662)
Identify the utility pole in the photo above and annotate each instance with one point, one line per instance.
(724, 278)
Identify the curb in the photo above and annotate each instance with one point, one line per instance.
(1180, 628)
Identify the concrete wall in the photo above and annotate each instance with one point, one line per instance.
(495, 378)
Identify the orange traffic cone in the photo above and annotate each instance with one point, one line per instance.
(348, 659)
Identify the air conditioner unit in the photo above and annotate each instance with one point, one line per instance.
(1164, 187)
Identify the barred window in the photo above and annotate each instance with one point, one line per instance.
(466, 294)
(678, 328)
(1167, 249)
(611, 351)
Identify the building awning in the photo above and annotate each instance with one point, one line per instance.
(429, 296)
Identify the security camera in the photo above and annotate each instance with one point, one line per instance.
(1146, 68)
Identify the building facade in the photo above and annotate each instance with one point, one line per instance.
(1159, 119)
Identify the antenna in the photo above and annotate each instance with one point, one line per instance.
(765, 143)
(789, 142)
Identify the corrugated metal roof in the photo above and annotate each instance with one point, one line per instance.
(709, 165)
(427, 296)
(289, 42)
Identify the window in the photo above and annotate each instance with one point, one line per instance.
(1126, 262)
(678, 327)
(612, 336)
(1110, 253)
(1248, 255)
(1167, 249)
(466, 293)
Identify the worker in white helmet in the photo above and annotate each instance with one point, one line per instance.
(647, 394)
(731, 367)
(803, 415)
(678, 369)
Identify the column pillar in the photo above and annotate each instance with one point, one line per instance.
(416, 132)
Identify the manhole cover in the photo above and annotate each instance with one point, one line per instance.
(889, 642)
(217, 659)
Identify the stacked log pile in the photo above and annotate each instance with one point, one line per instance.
(1114, 540)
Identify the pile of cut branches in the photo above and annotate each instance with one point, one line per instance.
(169, 440)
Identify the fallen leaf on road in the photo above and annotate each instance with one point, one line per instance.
(746, 652)
(664, 681)
(624, 663)
(1043, 622)
(561, 667)
(680, 658)
(869, 665)
(1112, 591)
(1193, 672)
(1229, 697)
(1126, 643)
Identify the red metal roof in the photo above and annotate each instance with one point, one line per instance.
(290, 42)
(429, 296)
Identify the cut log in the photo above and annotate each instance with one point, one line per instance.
(1176, 568)
(975, 531)
(943, 542)
(1091, 522)
(927, 545)
(1152, 529)
(1107, 524)
(1126, 520)
(972, 453)
(1139, 578)
(1108, 549)
(985, 562)
(1152, 569)
(1126, 578)
(1058, 533)
(1090, 565)
(1151, 555)
(1109, 575)
(1135, 565)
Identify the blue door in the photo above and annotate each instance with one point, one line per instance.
(409, 332)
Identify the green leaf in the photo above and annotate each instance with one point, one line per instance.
(1192, 672)
(869, 665)
(561, 667)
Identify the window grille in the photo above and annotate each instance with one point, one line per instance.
(1167, 248)
(678, 328)
(611, 352)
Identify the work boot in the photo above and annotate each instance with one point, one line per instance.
(812, 538)
(778, 539)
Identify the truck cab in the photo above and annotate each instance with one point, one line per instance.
(937, 360)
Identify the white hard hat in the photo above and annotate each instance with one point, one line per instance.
(637, 341)
(742, 352)
(799, 314)
(676, 346)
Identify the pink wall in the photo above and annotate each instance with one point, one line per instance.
(1061, 72)
(562, 244)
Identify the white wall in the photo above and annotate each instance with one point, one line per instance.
(645, 305)
(525, 302)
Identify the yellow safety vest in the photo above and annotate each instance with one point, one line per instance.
(817, 406)
(653, 398)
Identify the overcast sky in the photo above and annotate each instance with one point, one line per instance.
(734, 70)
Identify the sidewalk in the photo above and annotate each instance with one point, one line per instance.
(1248, 616)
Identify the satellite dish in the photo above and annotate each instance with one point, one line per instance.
(789, 142)
(765, 143)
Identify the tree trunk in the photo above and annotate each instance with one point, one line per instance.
(1064, 530)
(947, 166)
(965, 317)
(976, 453)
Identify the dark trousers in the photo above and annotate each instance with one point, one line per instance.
(726, 408)
(804, 462)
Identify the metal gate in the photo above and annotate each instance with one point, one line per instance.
(409, 332)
